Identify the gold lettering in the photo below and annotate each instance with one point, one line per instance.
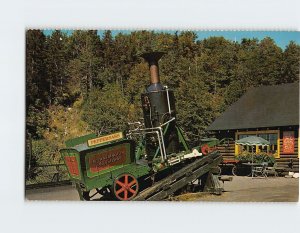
(103, 139)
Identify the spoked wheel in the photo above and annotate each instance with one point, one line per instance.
(126, 187)
(234, 170)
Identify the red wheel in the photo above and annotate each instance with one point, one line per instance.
(126, 187)
(205, 149)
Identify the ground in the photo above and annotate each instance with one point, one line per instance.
(62, 193)
(240, 189)
(247, 189)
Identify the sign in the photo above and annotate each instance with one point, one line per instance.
(106, 159)
(288, 145)
(104, 139)
(72, 165)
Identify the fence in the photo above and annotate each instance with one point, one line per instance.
(47, 175)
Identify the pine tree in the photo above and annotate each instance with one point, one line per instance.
(83, 68)
(36, 83)
(56, 60)
(106, 110)
(291, 63)
(268, 63)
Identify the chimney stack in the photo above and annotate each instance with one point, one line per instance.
(152, 58)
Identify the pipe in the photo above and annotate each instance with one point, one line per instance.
(169, 107)
(164, 153)
(152, 58)
(159, 143)
(160, 148)
(167, 122)
(161, 133)
(163, 142)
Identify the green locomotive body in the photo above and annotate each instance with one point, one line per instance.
(96, 162)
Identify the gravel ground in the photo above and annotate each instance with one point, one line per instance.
(247, 189)
(240, 189)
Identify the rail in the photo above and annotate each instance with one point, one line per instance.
(184, 176)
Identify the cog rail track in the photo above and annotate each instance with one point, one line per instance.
(167, 186)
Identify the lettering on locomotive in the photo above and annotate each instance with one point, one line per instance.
(104, 139)
(107, 159)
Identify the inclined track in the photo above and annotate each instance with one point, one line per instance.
(167, 186)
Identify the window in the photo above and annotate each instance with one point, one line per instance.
(269, 135)
(273, 139)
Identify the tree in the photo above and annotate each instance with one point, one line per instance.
(36, 79)
(137, 83)
(106, 110)
(186, 44)
(56, 60)
(218, 61)
(83, 68)
(37, 84)
(268, 59)
(233, 92)
(196, 107)
(246, 64)
(291, 62)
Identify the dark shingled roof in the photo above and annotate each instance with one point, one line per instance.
(264, 106)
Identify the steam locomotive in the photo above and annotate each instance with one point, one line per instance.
(117, 165)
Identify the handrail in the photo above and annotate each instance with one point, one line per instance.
(50, 165)
(41, 173)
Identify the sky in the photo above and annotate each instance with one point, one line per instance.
(281, 38)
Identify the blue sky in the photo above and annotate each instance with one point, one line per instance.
(281, 38)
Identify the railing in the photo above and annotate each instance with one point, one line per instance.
(47, 175)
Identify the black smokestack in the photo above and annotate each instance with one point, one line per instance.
(158, 105)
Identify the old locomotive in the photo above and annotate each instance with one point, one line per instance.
(157, 165)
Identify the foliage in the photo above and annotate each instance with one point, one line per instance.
(43, 151)
(36, 120)
(56, 60)
(246, 156)
(196, 107)
(37, 84)
(65, 123)
(83, 68)
(106, 110)
(290, 64)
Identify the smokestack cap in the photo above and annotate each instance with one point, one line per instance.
(152, 57)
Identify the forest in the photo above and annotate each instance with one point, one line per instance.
(80, 82)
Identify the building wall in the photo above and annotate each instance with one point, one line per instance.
(290, 161)
(227, 150)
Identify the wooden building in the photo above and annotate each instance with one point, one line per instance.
(270, 112)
